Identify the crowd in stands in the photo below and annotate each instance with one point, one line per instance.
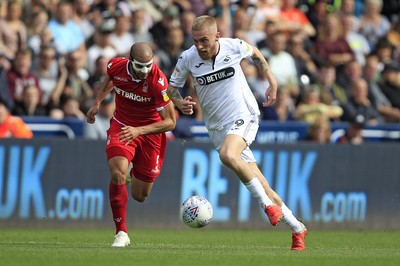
(335, 61)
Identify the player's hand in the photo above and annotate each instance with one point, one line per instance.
(270, 97)
(187, 105)
(91, 113)
(128, 134)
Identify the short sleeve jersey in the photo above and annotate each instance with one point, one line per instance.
(137, 101)
(220, 84)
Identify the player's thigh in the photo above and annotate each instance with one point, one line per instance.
(232, 145)
(149, 158)
(240, 135)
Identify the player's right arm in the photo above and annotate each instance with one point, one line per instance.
(178, 79)
(108, 86)
(184, 104)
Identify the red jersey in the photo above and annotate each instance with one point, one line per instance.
(137, 101)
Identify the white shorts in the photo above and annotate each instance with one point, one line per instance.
(246, 127)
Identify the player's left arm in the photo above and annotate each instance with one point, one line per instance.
(262, 64)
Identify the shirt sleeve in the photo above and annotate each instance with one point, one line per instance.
(161, 97)
(181, 70)
(245, 49)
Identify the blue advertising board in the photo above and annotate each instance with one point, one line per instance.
(59, 182)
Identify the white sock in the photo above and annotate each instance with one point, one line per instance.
(258, 192)
(290, 220)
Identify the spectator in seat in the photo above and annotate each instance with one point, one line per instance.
(282, 110)
(320, 131)
(391, 83)
(353, 134)
(30, 103)
(389, 113)
(99, 129)
(20, 75)
(13, 31)
(358, 43)
(311, 107)
(281, 62)
(373, 25)
(121, 38)
(292, 19)
(331, 92)
(71, 109)
(68, 36)
(331, 44)
(170, 19)
(305, 66)
(102, 45)
(359, 105)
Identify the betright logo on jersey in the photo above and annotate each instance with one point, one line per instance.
(131, 95)
(216, 76)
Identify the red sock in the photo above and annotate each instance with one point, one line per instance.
(118, 200)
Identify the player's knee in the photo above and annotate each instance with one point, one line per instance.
(139, 197)
(118, 177)
(227, 158)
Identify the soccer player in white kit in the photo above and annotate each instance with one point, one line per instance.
(230, 110)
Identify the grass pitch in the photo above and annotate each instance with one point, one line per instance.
(196, 247)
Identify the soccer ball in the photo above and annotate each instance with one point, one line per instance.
(196, 212)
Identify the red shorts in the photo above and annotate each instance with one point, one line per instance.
(145, 152)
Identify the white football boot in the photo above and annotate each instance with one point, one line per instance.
(121, 240)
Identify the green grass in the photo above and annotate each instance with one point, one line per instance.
(192, 247)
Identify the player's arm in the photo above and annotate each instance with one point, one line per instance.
(108, 85)
(167, 123)
(262, 65)
(184, 104)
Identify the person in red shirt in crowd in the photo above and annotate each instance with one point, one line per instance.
(12, 126)
(293, 20)
(20, 75)
(137, 130)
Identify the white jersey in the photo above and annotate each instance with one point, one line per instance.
(221, 86)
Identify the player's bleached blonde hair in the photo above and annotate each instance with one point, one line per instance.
(203, 22)
(378, 3)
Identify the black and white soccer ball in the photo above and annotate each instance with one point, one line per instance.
(196, 212)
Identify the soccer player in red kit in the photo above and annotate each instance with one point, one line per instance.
(137, 130)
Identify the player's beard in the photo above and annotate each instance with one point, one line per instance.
(208, 53)
(205, 55)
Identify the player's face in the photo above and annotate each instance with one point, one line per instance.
(206, 42)
(141, 69)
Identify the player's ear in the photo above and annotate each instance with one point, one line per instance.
(217, 36)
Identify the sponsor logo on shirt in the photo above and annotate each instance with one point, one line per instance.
(165, 95)
(176, 71)
(132, 96)
(216, 76)
(199, 65)
(120, 79)
(238, 123)
(226, 59)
